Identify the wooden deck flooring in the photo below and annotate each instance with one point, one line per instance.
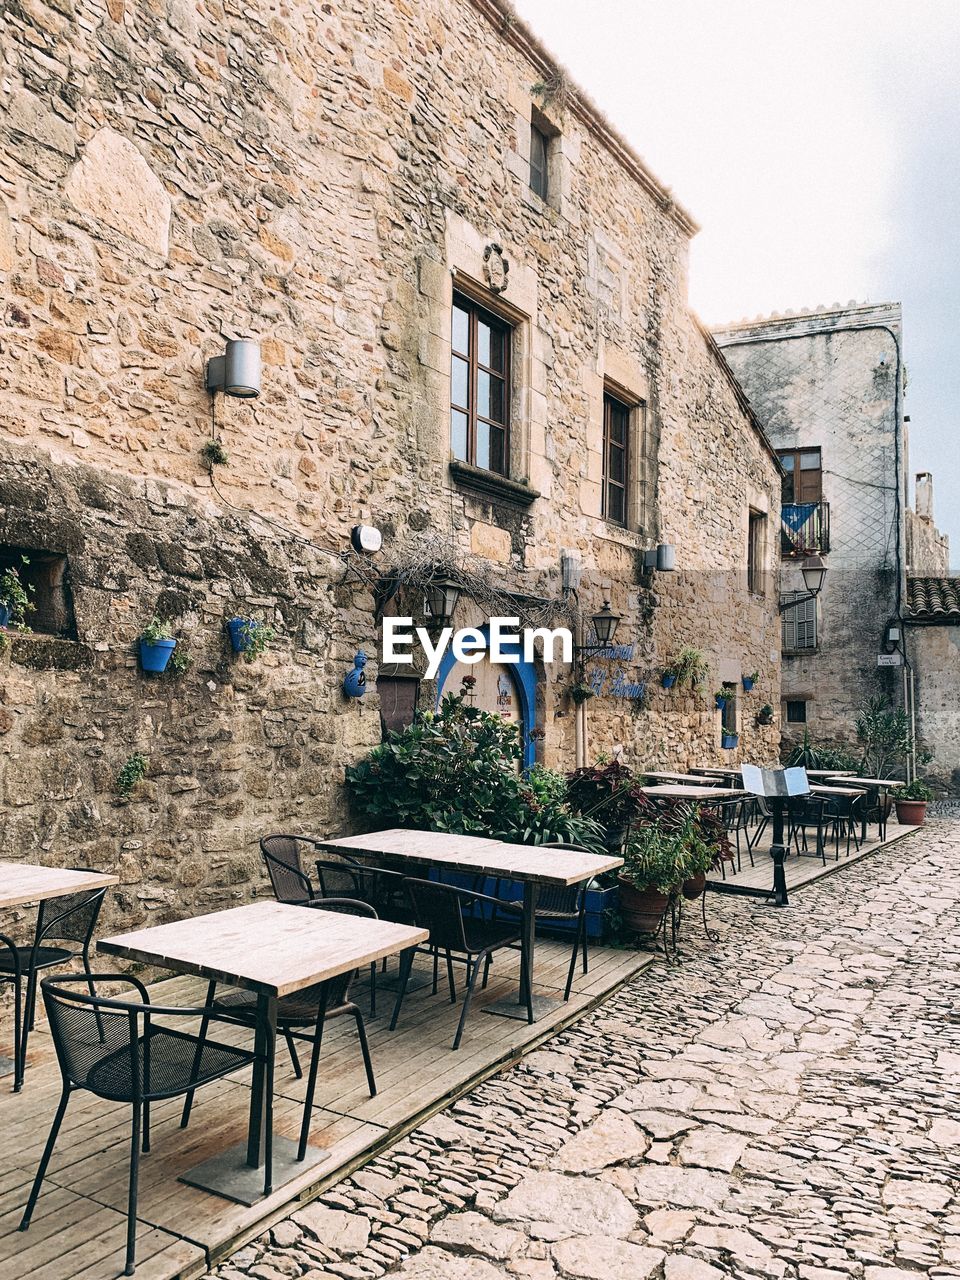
(78, 1230)
(806, 869)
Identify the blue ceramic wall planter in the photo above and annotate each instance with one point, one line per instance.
(729, 741)
(5, 612)
(668, 680)
(747, 683)
(241, 633)
(355, 681)
(155, 654)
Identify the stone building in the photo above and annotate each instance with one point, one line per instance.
(470, 300)
(829, 389)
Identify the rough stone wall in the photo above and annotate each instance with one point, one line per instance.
(935, 652)
(172, 177)
(820, 380)
(928, 550)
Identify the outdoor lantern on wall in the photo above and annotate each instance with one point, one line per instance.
(440, 600)
(237, 371)
(814, 571)
(605, 625)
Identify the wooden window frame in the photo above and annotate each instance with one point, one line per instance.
(612, 402)
(541, 188)
(476, 310)
(757, 525)
(795, 454)
(795, 702)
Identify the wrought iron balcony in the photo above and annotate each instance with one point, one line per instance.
(804, 528)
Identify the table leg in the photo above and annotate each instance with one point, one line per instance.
(527, 1006)
(246, 1172)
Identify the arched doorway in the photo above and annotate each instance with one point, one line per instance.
(506, 689)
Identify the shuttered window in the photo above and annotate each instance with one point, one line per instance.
(799, 624)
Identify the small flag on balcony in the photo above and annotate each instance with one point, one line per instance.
(796, 514)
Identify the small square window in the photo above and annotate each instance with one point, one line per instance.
(796, 712)
(46, 580)
(756, 551)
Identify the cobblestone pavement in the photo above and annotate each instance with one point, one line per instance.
(784, 1104)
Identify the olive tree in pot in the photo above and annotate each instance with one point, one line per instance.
(912, 803)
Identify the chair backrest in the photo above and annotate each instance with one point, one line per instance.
(88, 1030)
(559, 897)
(341, 877)
(71, 918)
(338, 989)
(439, 909)
(290, 882)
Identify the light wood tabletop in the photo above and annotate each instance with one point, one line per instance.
(267, 947)
(22, 882)
(830, 773)
(822, 789)
(697, 779)
(848, 780)
(685, 792)
(523, 862)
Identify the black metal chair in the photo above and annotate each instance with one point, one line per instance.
(116, 1050)
(70, 919)
(735, 814)
(439, 908)
(806, 813)
(312, 1007)
(557, 903)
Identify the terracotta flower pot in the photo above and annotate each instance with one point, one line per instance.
(911, 813)
(641, 910)
(693, 887)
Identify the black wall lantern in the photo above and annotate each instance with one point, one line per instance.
(605, 625)
(814, 571)
(440, 600)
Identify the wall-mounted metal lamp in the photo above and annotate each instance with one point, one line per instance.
(237, 371)
(440, 600)
(605, 625)
(814, 571)
(663, 558)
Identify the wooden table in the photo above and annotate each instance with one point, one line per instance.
(273, 950)
(22, 882)
(528, 864)
(692, 778)
(825, 789)
(693, 792)
(829, 773)
(868, 784)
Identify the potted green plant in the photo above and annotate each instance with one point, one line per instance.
(156, 646)
(669, 678)
(580, 692)
(912, 801)
(722, 697)
(15, 602)
(610, 793)
(765, 714)
(750, 680)
(651, 873)
(728, 740)
(249, 636)
(690, 666)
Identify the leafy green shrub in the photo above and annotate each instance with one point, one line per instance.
(608, 792)
(825, 756)
(675, 846)
(16, 596)
(885, 733)
(134, 769)
(458, 770)
(915, 790)
(155, 630)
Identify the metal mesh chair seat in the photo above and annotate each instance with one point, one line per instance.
(486, 935)
(42, 958)
(544, 913)
(172, 1067)
(298, 1010)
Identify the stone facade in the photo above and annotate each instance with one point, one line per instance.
(829, 380)
(928, 550)
(322, 181)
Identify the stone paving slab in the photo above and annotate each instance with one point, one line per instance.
(783, 1104)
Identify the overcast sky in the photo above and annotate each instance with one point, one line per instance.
(818, 145)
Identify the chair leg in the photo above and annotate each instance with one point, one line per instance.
(365, 1050)
(475, 969)
(574, 956)
(373, 989)
(436, 969)
(45, 1159)
(145, 1144)
(85, 959)
(450, 980)
(132, 1191)
(198, 1053)
(312, 1080)
(406, 964)
(18, 1056)
(486, 970)
(292, 1050)
(27, 1023)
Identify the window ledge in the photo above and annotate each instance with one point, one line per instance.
(48, 653)
(491, 485)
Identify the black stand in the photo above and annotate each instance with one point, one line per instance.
(778, 853)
